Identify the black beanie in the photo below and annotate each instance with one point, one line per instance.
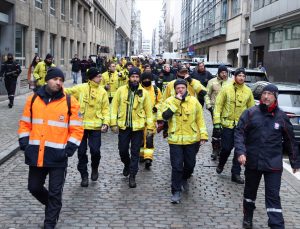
(271, 88)
(146, 75)
(53, 73)
(239, 70)
(93, 72)
(222, 68)
(49, 56)
(180, 81)
(135, 71)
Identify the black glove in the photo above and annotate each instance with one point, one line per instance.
(217, 132)
(149, 141)
(70, 149)
(23, 142)
(154, 109)
(202, 93)
(188, 79)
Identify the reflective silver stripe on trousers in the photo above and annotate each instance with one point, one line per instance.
(74, 140)
(57, 124)
(274, 210)
(75, 123)
(34, 142)
(25, 119)
(37, 121)
(55, 145)
(249, 200)
(25, 134)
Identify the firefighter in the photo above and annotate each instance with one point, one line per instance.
(231, 101)
(10, 70)
(263, 133)
(94, 107)
(41, 69)
(50, 131)
(213, 88)
(147, 149)
(111, 80)
(131, 112)
(164, 77)
(125, 73)
(186, 128)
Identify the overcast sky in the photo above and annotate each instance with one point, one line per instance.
(150, 13)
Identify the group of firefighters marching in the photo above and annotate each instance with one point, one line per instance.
(135, 106)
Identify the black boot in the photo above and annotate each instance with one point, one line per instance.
(126, 170)
(148, 163)
(95, 174)
(84, 182)
(11, 101)
(132, 183)
(247, 221)
(219, 169)
(237, 179)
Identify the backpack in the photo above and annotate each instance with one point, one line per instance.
(68, 97)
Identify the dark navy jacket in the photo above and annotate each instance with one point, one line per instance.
(263, 137)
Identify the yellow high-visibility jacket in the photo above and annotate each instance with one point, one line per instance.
(40, 71)
(231, 101)
(156, 99)
(94, 105)
(113, 80)
(187, 125)
(141, 112)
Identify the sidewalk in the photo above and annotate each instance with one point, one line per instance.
(9, 123)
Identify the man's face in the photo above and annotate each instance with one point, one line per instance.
(240, 78)
(129, 67)
(267, 98)
(97, 79)
(160, 61)
(167, 68)
(147, 69)
(201, 67)
(223, 75)
(175, 64)
(180, 89)
(49, 61)
(75, 56)
(55, 84)
(134, 78)
(112, 68)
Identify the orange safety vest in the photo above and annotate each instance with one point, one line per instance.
(49, 128)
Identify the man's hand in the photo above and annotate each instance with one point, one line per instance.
(188, 78)
(178, 96)
(115, 129)
(159, 126)
(202, 142)
(296, 170)
(242, 159)
(104, 128)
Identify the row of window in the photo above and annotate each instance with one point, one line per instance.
(258, 4)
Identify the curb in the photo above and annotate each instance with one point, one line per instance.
(9, 152)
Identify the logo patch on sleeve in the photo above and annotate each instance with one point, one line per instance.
(276, 126)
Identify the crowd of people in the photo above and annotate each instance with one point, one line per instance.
(141, 97)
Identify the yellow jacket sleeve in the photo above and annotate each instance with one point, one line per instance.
(219, 106)
(114, 109)
(105, 109)
(148, 111)
(201, 122)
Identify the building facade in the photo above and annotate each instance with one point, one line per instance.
(136, 30)
(275, 38)
(146, 47)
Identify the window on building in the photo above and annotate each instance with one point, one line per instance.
(39, 4)
(62, 9)
(71, 49)
(62, 51)
(258, 4)
(224, 10)
(84, 19)
(71, 11)
(79, 16)
(235, 7)
(38, 42)
(20, 44)
(52, 44)
(52, 7)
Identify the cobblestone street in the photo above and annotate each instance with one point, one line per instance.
(213, 201)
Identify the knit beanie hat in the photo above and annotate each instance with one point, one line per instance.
(239, 70)
(271, 88)
(53, 73)
(222, 68)
(180, 81)
(93, 72)
(146, 75)
(135, 71)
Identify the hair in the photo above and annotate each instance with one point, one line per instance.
(34, 63)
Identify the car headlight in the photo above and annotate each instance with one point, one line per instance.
(295, 120)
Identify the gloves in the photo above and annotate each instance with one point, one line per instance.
(23, 142)
(217, 131)
(202, 93)
(154, 109)
(115, 129)
(211, 111)
(70, 149)
(104, 128)
(120, 74)
(149, 141)
(160, 126)
(165, 131)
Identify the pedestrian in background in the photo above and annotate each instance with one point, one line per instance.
(41, 69)
(30, 78)
(84, 66)
(75, 68)
(263, 133)
(50, 131)
(94, 107)
(10, 70)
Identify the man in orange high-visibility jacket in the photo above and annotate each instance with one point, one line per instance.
(50, 131)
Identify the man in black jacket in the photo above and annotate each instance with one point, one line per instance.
(200, 73)
(75, 68)
(84, 66)
(263, 133)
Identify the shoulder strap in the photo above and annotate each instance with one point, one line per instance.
(68, 97)
(32, 101)
(155, 90)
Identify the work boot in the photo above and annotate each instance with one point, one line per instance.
(10, 105)
(219, 169)
(237, 179)
(126, 171)
(132, 183)
(176, 197)
(84, 182)
(148, 163)
(185, 185)
(247, 221)
(95, 174)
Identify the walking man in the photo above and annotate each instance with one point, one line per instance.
(41, 69)
(75, 68)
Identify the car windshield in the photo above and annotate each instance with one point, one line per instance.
(253, 77)
(289, 99)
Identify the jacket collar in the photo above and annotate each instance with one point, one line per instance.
(92, 84)
(46, 97)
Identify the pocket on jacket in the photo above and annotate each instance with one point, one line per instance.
(99, 115)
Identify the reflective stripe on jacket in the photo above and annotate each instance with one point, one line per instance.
(49, 130)
(94, 104)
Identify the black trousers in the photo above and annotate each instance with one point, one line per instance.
(10, 85)
(93, 139)
(135, 139)
(51, 198)
(183, 161)
(272, 198)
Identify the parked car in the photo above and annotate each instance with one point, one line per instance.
(252, 75)
(288, 101)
